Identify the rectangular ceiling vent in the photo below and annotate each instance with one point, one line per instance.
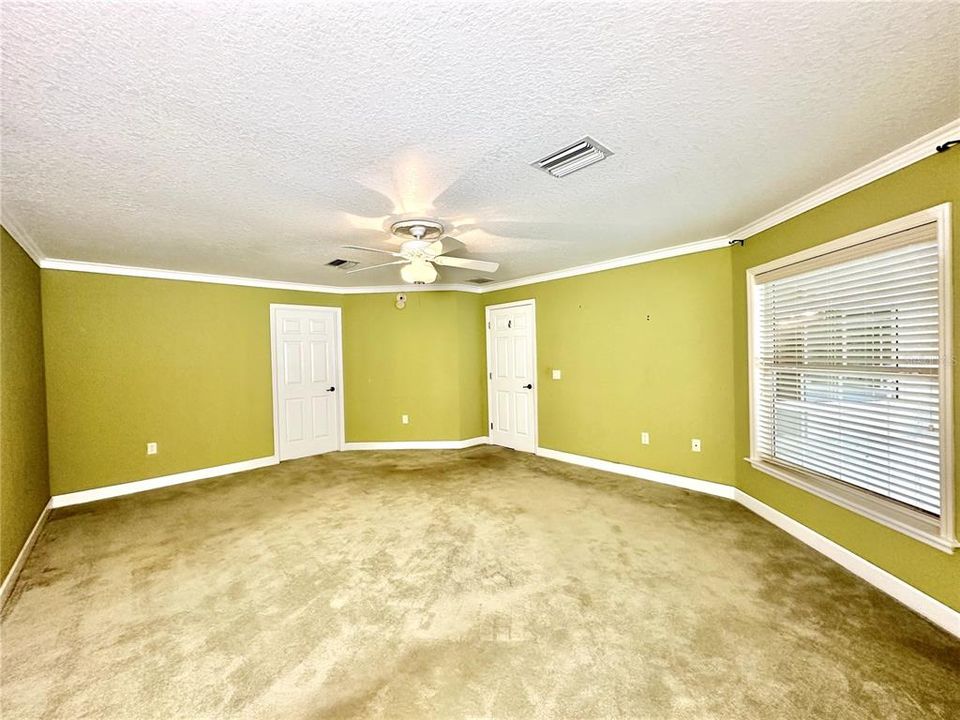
(480, 281)
(343, 264)
(573, 157)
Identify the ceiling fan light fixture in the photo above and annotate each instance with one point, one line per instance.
(419, 272)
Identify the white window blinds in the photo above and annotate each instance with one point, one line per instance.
(847, 364)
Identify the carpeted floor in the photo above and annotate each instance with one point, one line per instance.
(458, 584)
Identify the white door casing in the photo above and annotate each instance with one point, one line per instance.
(512, 375)
(307, 380)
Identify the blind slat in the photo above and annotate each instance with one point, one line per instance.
(894, 437)
(845, 470)
(847, 367)
(826, 435)
(867, 301)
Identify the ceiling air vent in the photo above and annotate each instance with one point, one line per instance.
(343, 264)
(480, 281)
(573, 157)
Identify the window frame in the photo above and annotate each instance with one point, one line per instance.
(937, 532)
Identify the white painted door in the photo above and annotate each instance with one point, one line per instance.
(306, 384)
(511, 375)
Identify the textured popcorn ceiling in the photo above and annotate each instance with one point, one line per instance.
(256, 139)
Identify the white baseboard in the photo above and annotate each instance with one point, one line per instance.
(918, 601)
(11, 579)
(137, 486)
(418, 444)
(112, 491)
(665, 478)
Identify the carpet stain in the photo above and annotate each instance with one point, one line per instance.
(480, 583)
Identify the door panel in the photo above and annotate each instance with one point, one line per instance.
(320, 361)
(511, 368)
(306, 387)
(502, 356)
(523, 415)
(321, 416)
(293, 374)
(502, 422)
(520, 362)
(295, 420)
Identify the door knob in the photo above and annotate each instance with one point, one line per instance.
(331, 388)
(528, 386)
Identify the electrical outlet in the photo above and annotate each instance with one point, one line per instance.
(556, 374)
(644, 438)
(695, 444)
(405, 419)
(151, 448)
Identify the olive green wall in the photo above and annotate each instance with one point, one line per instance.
(683, 373)
(641, 348)
(420, 361)
(24, 487)
(473, 364)
(132, 360)
(658, 347)
(927, 183)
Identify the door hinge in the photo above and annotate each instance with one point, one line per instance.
(490, 376)
(509, 323)
(491, 426)
(488, 326)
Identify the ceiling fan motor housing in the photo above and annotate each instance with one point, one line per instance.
(417, 229)
(424, 246)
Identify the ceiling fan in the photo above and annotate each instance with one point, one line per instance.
(426, 248)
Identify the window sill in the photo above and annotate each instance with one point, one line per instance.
(917, 525)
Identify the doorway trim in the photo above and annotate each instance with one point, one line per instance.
(338, 339)
(536, 368)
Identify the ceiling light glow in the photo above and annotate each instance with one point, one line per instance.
(419, 272)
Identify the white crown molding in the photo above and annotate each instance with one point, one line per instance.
(418, 444)
(138, 486)
(888, 164)
(657, 476)
(22, 237)
(11, 579)
(637, 259)
(158, 274)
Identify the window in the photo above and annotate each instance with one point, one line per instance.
(851, 373)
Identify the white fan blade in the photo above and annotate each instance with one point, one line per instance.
(478, 265)
(370, 249)
(444, 245)
(371, 267)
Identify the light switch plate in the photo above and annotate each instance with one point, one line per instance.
(151, 448)
(555, 374)
(645, 438)
(405, 419)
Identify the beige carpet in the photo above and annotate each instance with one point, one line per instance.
(459, 584)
